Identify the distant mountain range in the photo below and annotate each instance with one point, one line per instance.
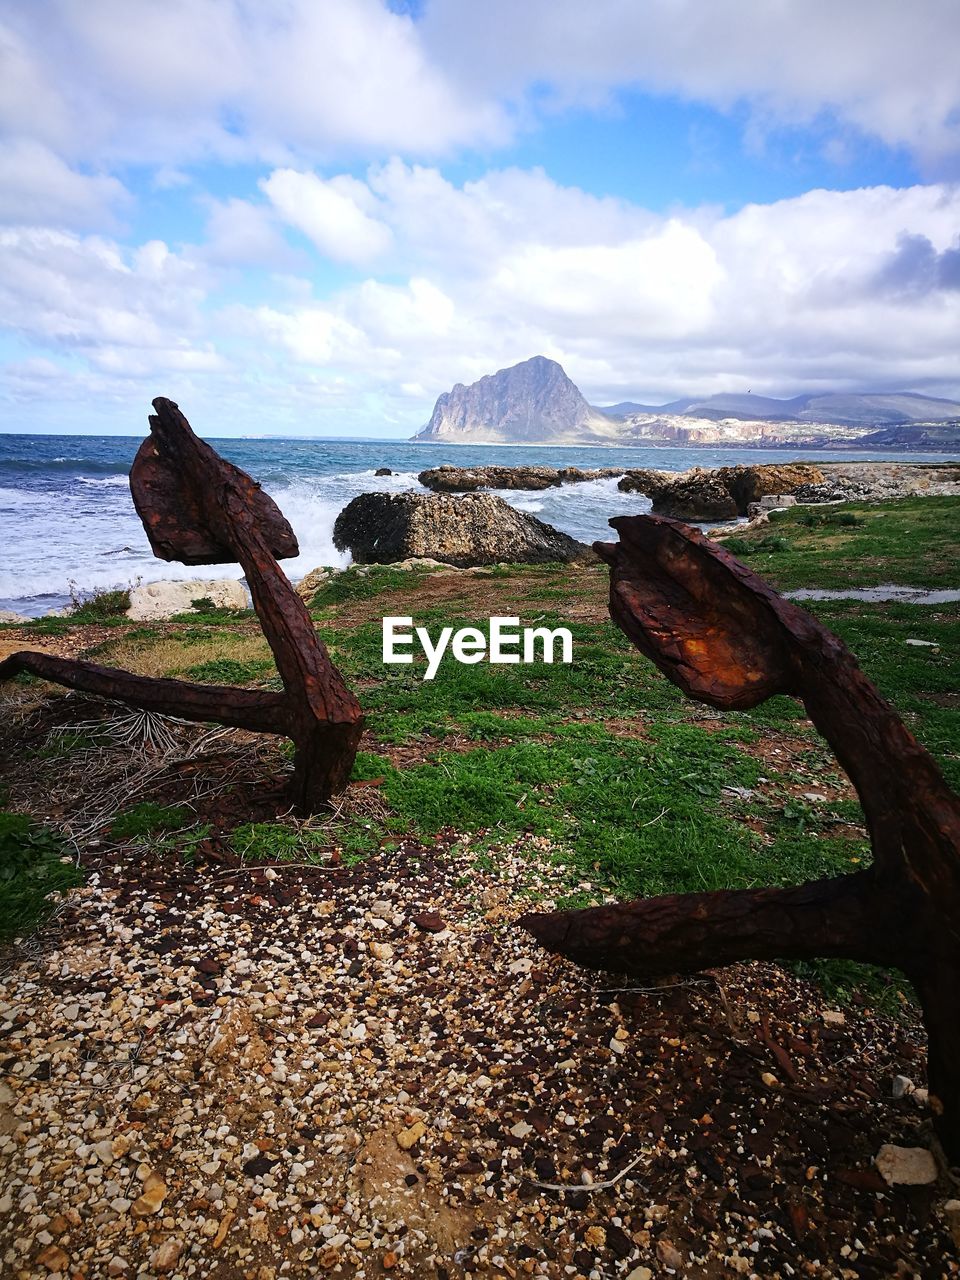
(536, 403)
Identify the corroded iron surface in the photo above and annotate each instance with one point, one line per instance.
(726, 638)
(200, 509)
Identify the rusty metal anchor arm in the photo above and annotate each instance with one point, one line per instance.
(261, 712)
(728, 639)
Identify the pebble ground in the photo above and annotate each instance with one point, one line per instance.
(229, 1071)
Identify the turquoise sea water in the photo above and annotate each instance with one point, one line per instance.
(66, 516)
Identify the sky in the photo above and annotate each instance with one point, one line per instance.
(311, 217)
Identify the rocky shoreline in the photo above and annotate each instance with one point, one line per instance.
(719, 493)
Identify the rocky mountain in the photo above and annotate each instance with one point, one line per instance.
(530, 403)
(862, 410)
(536, 403)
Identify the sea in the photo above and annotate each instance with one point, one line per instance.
(68, 526)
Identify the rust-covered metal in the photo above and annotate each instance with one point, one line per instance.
(726, 638)
(200, 509)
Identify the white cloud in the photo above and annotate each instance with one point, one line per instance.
(830, 289)
(36, 186)
(239, 233)
(87, 295)
(329, 213)
(660, 286)
(882, 66)
(168, 83)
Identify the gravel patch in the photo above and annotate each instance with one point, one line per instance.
(229, 1071)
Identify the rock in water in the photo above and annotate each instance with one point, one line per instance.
(476, 529)
(166, 599)
(751, 483)
(695, 496)
(449, 479)
(719, 494)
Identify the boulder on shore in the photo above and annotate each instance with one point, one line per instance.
(645, 480)
(695, 496)
(450, 479)
(156, 600)
(721, 493)
(476, 529)
(750, 484)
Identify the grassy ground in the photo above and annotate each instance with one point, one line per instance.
(634, 789)
(912, 542)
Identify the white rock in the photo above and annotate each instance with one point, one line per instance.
(164, 599)
(7, 615)
(908, 1166)
(834, 1018)
(902, 1085)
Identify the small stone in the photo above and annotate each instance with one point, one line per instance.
(669, 1254)
(154, 1193)
(617, 1046)
(907, 1166)
(117, 1266)
(834, 1018)
(752, 1015)
(166, 1257)
(902, 1085)
(429, 921)
(408, 1138)
(53, 1258)
(595, 1237)
(389, 1260)
(769, 1079)
(225, 1224)
(521, 1129)
(640, 1273)
(951, 1213)
(381, 950)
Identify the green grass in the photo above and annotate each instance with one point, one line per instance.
(911, 542)
(365, 583)
(215, 617)
(147, 819)
(229, 671)
(630, 781)
(33, 864)
(101, 606)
